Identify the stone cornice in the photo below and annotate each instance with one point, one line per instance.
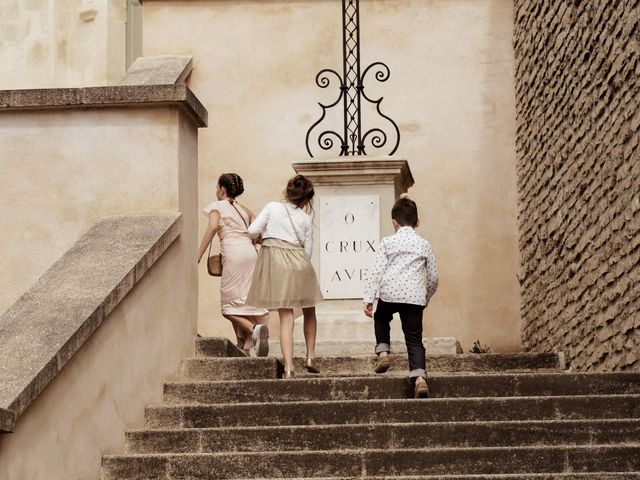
(360, 170)
(100, 97)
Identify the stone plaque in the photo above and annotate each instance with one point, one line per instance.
(349, 237)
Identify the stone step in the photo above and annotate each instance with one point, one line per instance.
(360, 463)
(230, 368)
(384, 436)
(222, 347)
(217, 347)
(217, 368)
(388, 387)
(264, 413)
(507, 476)
(433, 345)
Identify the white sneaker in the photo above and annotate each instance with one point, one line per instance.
(260, 337)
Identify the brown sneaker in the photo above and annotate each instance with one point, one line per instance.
(421, 389)
(383, 363)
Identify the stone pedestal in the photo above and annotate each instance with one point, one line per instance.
(349, 177)
(353, 201)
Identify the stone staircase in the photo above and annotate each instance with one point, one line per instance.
(509, 416)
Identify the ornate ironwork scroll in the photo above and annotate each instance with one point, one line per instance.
(352, 140)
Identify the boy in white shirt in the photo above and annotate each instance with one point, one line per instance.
(398, 280)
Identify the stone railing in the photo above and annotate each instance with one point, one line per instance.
(91, 342)
(53, 319)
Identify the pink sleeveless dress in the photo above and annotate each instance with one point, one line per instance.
(238, 259)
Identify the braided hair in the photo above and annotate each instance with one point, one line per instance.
(232, 183)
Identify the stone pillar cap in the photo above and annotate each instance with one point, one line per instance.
(357, 170)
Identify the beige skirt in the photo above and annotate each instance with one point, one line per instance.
(283, 277)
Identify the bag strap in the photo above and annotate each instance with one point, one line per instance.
(292, 225)
(233, 204)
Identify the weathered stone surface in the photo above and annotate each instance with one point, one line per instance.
(506, 476)
(363, 365)
(433, 345)
(527, 425)
(384, 436)
(112, 96)
(231, 368)
(53, 319)
(364, 388)
(158, 70)
(217, 347)
(357, 463)
(578, 136)
(393, 411)
(7, 420)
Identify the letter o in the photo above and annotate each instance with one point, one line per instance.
(349, 218)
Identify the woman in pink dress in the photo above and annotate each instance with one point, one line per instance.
(229, 220)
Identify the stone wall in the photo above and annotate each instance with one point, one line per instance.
(102, 390)
(61, 43)
(450, 90)
(112, 151)
(578, 118)
(94, 163)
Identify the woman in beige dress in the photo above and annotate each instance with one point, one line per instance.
(229, 220)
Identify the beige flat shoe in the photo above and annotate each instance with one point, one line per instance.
(288, 374)
(311, 366)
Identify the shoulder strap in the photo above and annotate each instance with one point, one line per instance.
(293, 226)
(233, 204)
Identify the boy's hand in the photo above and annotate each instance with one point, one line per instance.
(368, 309)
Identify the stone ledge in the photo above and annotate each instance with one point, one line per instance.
(158, 70)
(357, 170)
(100, 97)
(7, 420)
(53, 319)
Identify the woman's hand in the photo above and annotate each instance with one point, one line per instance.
(212, 229)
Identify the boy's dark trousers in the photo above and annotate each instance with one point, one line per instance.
(411, 318)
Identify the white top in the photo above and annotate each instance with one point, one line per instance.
(402, 263)
(273, 222)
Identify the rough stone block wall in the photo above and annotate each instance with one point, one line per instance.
(578, 122)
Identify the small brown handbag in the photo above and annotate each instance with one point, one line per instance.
(214, 264)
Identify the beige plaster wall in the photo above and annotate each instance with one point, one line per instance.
(451, 91)
(63, 170)
(46, 43)
(103, 390)
(66, 170)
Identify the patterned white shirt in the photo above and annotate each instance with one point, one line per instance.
(398, 274)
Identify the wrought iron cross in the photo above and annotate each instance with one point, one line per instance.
(352, 140)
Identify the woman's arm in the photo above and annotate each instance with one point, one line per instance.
(210, 232)
(260, 223)
(308, 240)
(252, 216)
